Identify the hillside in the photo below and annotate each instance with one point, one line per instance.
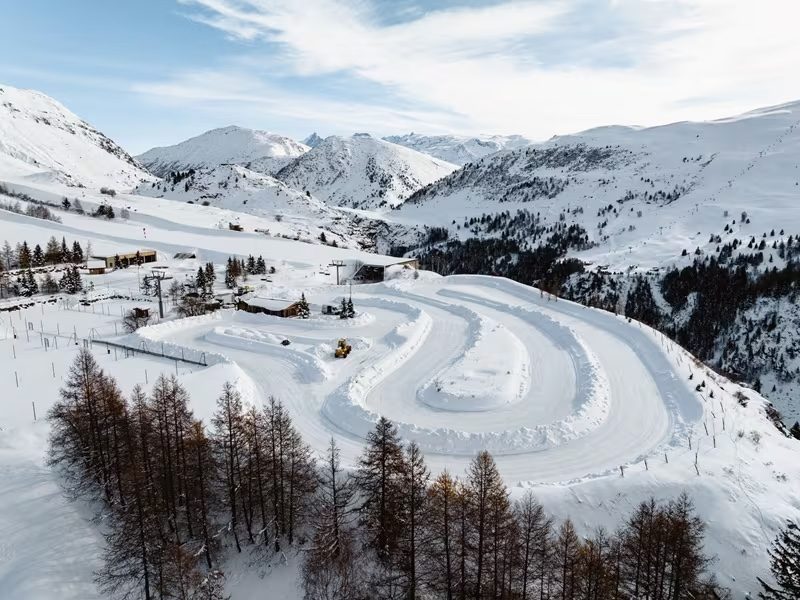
(238, 189)
(256, 150)
(362, 172)
(41, 140)
(716, 199)
(458, 149)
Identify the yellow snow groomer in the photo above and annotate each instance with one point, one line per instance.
(342, 349)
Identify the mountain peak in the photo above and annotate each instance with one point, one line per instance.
(41, 139)
(313, 140)
(258, 150)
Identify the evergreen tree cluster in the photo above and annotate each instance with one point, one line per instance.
(22, 256)
(392, 531)
(346, 309)
(785, 566)
(176, 496)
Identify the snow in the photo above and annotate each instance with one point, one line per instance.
(268, 303)
(256, 150)
(746, 164)
(42, 141)
(361, 171)
(458, 149)
(565, 396)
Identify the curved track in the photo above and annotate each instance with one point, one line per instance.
(600, 392)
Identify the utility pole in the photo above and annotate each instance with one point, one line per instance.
(338, 264)
(158, 277)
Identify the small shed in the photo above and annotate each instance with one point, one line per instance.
(277, 307)
(96, 267)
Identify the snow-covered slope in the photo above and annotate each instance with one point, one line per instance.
(236, 188)
(363, 172)
(459, 149)
(313, 140)
(257, 150)
(41, 140)
(642, 195)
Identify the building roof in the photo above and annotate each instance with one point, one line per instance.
(275, 304)
(96, 264)
(387, 261)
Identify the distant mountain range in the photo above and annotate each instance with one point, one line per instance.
(456, 149)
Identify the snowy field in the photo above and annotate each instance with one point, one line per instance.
(578, 404)
(593, 412)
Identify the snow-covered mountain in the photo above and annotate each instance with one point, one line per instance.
(642, 195)
(719, 196)
(256, 150)
(458, 149)
(41, 140)
(313, 140)
(362, 171)
(292, 213)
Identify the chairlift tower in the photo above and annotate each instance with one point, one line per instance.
(338, 264)
(158, 277)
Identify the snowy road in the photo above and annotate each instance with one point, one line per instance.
(589, 391)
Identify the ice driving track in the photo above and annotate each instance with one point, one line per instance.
(580, 360)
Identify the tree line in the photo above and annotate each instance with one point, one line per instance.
(391, 530)
(178, 498)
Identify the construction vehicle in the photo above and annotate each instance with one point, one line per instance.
(342, 349)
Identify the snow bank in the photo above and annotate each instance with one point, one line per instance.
(309, 366)
(494, 371)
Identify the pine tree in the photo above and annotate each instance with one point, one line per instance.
(379, 478)
(535, 546)
(27, 284)
(441, 548)
(251, 264)
(304, 311)
(261, 266)
(49, 285)
(200, 282)
(414, 482)
(24, 256)
(65, 255)
(37, 258)
(201, 475)
(77, 252)
(567, 548)
(211, 277)
(228, 441)
(785, 565)
(230, 274)
(71, 282)
(9, 256)
(487, 494)
(52, 253)
(332, 570)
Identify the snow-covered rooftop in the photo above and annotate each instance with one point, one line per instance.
(269, 303)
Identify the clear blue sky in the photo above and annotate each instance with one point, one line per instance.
(153, 72)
